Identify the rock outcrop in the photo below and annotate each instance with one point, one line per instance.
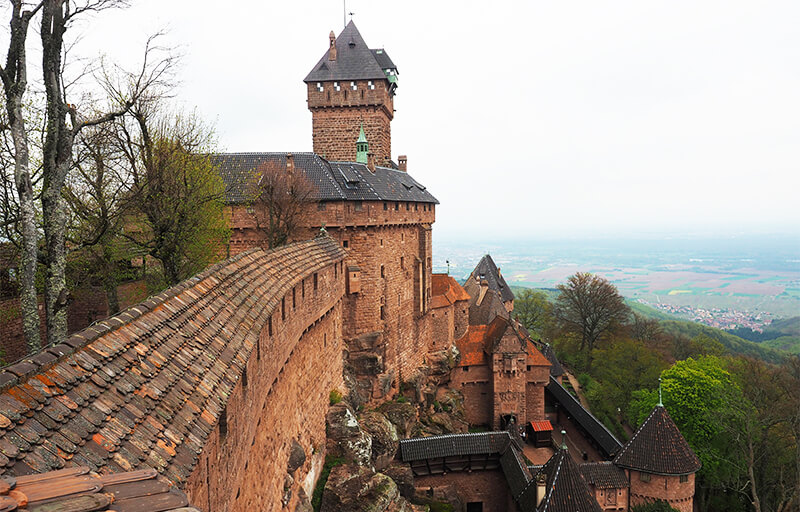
(345, 436)
(352, 488)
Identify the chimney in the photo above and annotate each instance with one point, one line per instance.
(289, 162)
(403, 161)
(541, 488)
(484, 289)
(498, 272)
(371, 161)
(332, 50)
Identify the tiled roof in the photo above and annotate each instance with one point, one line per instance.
(601, 435)
(535, 358)
(480, 443)
(490, 307)
(472, 346)
(354, 60)
(541, 426)
(566, 489)
(658, 447)
(334, 181)
(78, 490)
(555, 369)
(515, 471)
(486, 269)
(446, 291)
(604, 475)
(145, 388)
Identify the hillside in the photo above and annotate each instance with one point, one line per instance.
(783, 334)
(768, 351)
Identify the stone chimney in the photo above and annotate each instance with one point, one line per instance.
(371, 161)
(541, 488)
(332, 50)
(403, 162)
(289, 162)
(484, 289)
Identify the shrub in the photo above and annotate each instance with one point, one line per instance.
(335, 397)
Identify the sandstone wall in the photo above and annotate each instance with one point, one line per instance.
(283, 399)
(475, 385)
(486, 487)
(679, 495)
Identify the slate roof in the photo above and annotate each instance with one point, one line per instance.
(593, 427)
(78, 490)
(658, 447)
(490, 307)
(486, 269)
(450, 445)
(334, 181)
(566, 489)
(604, 475)
(555, 369)
(145, 388)
(354, 60)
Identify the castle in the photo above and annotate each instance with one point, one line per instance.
(221, 384)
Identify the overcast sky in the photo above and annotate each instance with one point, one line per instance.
(530, 118)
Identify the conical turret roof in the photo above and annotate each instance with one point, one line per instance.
(566, 489)
(658, 447)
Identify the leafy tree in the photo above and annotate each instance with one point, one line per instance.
(534, 310)
(591, 307)
(700, 345)
(178, 190)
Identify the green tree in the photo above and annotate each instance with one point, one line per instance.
(178, 190)
(590, 307)
(534, 310)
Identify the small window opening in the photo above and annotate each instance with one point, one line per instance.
(396, 205)
(353, 86)
(223, 422)
(383, 271)
(244, 377)
(383, 313)
(316, 281)
(320, 88)
(358, 206)
(385, 205)
(321, 206)
(269, 325)
(345, 244)
(337, 86)
(283, 308)
(684, 479)
(294, 298)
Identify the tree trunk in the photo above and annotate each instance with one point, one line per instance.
(751, 458)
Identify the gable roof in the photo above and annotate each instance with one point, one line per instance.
(334, 181)
(658, 447)
(354, 60)
(445, 291)
(472, 346)
(547, 351)
(566, 489)
(145, 388)
(604, 475)
(535, 358)
(490, 307)
(486, 269)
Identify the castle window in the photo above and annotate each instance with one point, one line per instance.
(244, 377)
(416, 207)
(283, 308)
(408, 206)
(383, 313)
(684, 478)
(465, 368)
(320, 88)
(316, 281)
(385, 205)
(396, 205)
(383, 271)
(336, 271)
(336, 86)
(402, 262)
(353, 86)
(270, 325)
(644, 477)
(303, 289)
(294, 298)
(321, 205)
(358, 206)
(371, 85)
(345, 244)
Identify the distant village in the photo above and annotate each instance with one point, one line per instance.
(721, 318)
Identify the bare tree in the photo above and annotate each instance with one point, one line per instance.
(15, 82)
(591, 307)
(281, 201)
(64, 123)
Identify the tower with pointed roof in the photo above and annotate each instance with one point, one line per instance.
(352, 86)
(660, 463)
(362, 147)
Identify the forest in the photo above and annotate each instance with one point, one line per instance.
(739, 412)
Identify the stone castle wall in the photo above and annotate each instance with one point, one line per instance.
(289, 376)
(679, 495)
(338, 115)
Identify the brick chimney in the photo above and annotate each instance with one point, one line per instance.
(484, 288)
(371, 161)
(402, 160)
(332, 49)
(289, 162)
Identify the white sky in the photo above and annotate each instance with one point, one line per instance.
(529, 118)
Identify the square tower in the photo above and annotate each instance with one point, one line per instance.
(352, 85)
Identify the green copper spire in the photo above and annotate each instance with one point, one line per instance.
(362, 146)
(563, 439)
(660, 403)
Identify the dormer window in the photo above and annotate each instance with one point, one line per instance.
(336, 86)
(353, 86)
(371, 85)
(320, 88)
